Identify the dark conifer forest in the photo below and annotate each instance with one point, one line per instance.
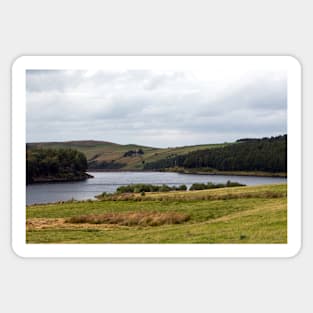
(45, 165)
(266, 155)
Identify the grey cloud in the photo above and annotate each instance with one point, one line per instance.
(153, 108)
(155, 81)
(52, 80)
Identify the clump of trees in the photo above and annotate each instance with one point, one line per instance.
(139, 188)
(266, 154)
(209, 185)
(131, 153)
(55, 165)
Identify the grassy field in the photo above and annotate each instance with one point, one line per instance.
(227, 215)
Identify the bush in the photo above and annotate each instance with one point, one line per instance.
(233, 184)
(198, 186)
(143, 188)
(139, 188)
(209, 185)
(165, 188)
(182, 187)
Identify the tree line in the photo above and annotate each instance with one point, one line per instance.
(131, 153)
(266, 154)
(54, 164)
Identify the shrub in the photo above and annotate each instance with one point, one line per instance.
(233, 184)
(181, 188)
(198, 186)
(209, 185)
(164, 188)
(125, 192)
(138, 188)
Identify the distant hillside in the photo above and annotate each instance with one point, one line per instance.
(257, 155)
(111, 156)
(264, 155)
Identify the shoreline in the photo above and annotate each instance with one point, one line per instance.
(197, 172)
(147, 195)
(234, 173)
(51, 180)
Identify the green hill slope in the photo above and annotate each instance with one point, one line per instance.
(108, 155)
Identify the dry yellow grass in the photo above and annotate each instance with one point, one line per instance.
(131, 218)
(35, 224)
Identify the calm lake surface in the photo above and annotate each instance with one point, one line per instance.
(109, 181)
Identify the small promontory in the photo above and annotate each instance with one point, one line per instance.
(55, 165)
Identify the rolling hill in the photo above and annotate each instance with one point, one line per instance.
(112, 156)
(263, 156)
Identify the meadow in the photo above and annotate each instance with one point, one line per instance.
(254, 214)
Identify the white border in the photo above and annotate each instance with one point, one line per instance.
(151, 250)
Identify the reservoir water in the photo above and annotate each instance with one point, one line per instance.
(109, 181)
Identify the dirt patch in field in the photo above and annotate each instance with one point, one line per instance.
(52, 223)
(42, 223)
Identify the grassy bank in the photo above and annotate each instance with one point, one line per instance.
(199, 171)
(205, 171)
(254, 214)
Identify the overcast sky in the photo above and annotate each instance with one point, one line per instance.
(156, 108)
